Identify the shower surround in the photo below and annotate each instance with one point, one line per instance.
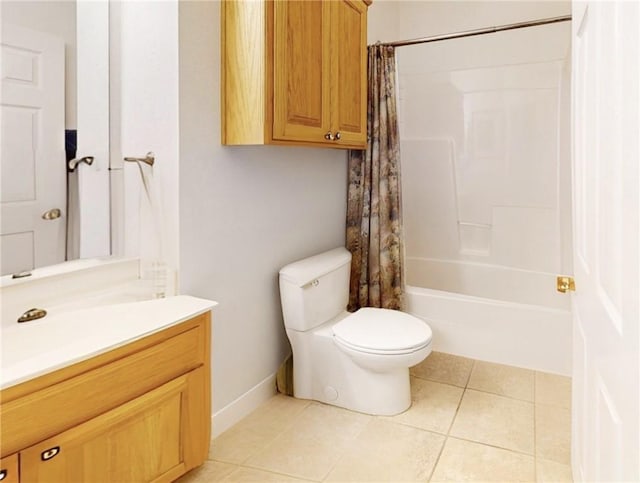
(484, 125)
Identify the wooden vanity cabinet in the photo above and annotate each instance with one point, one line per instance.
(139, 413)
(294, 72)
(9, 469)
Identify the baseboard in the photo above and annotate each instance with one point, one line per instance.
(243, 405)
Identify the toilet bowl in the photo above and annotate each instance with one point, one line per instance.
(382, 339)
(359, 361)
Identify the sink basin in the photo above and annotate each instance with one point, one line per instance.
(76, 331)
(70, 321)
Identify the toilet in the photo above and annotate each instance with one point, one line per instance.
(358, 361)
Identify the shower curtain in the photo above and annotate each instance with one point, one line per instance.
(374, 222)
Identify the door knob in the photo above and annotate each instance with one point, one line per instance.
(338, 135)
(329, 136)
(52, 214)
(565, 284)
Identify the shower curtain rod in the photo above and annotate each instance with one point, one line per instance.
(471, 33)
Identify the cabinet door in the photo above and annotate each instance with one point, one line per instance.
(349, 55)
(9, 469)
(301, 70)
(139, 441)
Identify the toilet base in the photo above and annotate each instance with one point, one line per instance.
(378, 394)
(337, 380)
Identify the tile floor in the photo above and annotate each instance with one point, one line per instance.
(469, 421)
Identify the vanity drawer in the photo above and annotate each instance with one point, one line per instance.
(9, 469)
(53, 409)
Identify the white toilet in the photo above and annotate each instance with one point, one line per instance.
(359, 361)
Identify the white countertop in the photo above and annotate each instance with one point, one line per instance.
(67, 336)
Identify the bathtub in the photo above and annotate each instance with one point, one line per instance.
(492, 313)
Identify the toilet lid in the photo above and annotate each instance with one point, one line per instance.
(382, 330)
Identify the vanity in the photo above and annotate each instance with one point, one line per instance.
(120, 393)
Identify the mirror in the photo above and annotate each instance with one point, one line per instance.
(55, 107)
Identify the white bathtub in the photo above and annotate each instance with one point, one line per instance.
(492, 313)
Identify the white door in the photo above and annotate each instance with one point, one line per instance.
(32, 163)
(606, 121)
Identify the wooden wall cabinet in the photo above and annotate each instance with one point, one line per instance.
(138, 413)
(294, 72)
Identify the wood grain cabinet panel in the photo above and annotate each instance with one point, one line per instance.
(138, 441)
(140, 413)
(294, 72)
(301, 90)
(350, 71)
(48, 411)
(9, 469)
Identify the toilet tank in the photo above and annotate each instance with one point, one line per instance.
(315, 290)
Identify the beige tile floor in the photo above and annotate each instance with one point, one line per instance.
(469, 421)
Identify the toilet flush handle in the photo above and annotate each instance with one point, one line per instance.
(313, 283)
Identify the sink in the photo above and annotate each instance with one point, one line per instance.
(74, 332)
(59, 288)
(95, 308)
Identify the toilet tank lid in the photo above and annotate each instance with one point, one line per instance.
(307, 270)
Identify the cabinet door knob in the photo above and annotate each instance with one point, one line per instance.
(50, 453)
(338, 135)
(3, 474)
(329, 136)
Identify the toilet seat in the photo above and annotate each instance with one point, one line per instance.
(382, 331)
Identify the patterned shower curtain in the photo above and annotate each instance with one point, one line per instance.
(374, 222)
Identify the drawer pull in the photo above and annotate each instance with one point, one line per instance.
(50, 453)
(3, 474)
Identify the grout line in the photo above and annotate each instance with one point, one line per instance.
(501, 395)
(435, 380)
(511, 398)
(473, 366)
(435, 465)
(455, 415)
(390, 419)
(482, 391)
(510, 450)
(446, 438)
(270, 440)
(286, 475)
(344, 453)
